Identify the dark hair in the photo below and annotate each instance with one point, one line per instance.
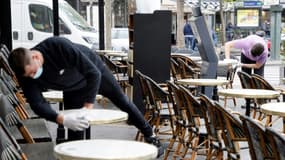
(257, 49)
(18, 59)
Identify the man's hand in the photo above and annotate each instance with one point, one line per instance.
(75, 123)
(239, 64)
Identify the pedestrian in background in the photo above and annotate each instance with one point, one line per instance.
(188, 36)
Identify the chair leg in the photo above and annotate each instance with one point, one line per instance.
(172, 141)
(181, 142)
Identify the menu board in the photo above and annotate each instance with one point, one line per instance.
(248, 17)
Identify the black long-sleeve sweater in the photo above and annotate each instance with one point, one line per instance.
(67, 67)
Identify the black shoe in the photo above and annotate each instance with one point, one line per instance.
(155, 141)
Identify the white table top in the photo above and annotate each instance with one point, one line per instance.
(224, 62)
(105, 149)
(203, 82)
(57, 96)
(193, 58)
(117, 54)
(98, 116)
(249, 93)
(276, 108)
(107, 51)
(53, 96)
(227, 62)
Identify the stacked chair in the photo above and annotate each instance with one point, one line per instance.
(189, 132)
(157, 107)
(232, 131)
(119, 70)
(259, 145)
(277, 142)
(21, 126)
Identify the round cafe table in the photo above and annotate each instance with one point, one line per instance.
(273, 109)
(203, 83)
(57, 96)
(103, 52)
(98, 116)
(249, 93)
(105, 149)
(53, 96)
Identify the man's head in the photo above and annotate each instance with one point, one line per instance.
(25, 62)
(257, 49)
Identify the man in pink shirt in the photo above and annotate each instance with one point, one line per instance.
(254, 53)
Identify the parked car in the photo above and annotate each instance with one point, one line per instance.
(120, 39)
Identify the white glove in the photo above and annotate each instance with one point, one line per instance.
(75, 123)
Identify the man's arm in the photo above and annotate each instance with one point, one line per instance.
(228, 46)
(37, 102)
(255, 66)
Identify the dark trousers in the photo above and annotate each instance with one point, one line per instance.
(111, 89)
(259, 71)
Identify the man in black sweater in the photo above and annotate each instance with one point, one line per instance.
(56, 63)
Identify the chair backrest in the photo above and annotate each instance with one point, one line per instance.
(211, 121)
(260, 83)
(245, 80)
(193, 106)
(175, 69)
(231, 73)
(156, 92)
(4, 51)
(144, 91)
(9, 148)
(186, 59)
(258, 142)
(15, 98)
(277, 141)
(176, 98)
(232, 130)
(11, 118)
(187, 70)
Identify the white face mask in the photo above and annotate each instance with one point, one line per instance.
(38, 73)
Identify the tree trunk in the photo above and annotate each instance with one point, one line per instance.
(180, 24)
(223, 32)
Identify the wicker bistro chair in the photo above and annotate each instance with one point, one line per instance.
(187, 71)
(247, 83)
(260, 83)
(145, 98)
(9, 148)
(187, 60)
(213, 127)
(259, 146)
(175, 70)
(25, 131)
(162, 113)
(119, 70)
(277, 141)
(180, 121)
(232, 131)
(197, 138)
(7, 89)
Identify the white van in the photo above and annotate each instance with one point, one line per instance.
(32, 22)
